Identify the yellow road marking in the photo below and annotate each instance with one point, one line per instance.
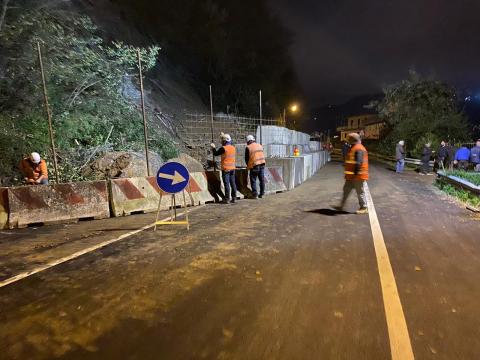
(77, 254)
(400, 345)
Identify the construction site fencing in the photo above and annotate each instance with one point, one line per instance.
(199, 130)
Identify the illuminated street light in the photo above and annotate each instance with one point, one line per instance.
(293, 109)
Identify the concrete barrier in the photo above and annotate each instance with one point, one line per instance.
(141, 195)
(292, 170)
(3, 208)
(274, 180)
(49, 204)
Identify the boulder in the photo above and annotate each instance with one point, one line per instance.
(189, 162)
(122, 164)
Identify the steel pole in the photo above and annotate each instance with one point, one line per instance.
(211, 126)
(49, 114)
(261, 121)
(144, 115)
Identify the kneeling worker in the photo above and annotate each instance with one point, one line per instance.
(34, 170)
(255, 160)
(356, 173)
(228, 154)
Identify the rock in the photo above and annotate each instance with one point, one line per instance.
(189, 162)
(122, 164)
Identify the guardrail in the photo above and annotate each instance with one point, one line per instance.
(459, 182)
(376, 156)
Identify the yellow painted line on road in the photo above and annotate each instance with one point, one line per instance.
(400, 345)
(77, 254)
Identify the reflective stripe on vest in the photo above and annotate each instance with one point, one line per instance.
(228, 158)
(350, 164)
(256, 155)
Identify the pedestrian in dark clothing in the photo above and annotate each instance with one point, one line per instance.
(462, 158)
(451, 149)
(475, 156)
(442, 155)
(426, 155)
(400, 156)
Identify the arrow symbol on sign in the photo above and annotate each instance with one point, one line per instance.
(176, 177)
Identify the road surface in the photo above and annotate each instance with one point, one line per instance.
(283, 277)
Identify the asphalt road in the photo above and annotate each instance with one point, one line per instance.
(279, 278)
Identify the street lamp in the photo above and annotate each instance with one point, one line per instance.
(293, 109)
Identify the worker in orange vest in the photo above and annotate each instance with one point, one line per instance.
(255, 160)
(356, 173)
(34, 170)
(228, 154)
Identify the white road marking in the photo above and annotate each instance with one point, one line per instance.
(77, 254)
(400, 345)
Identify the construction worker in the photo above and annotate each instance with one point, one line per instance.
(228, 154)
(255, 160)
(356, 173)
(34, 170)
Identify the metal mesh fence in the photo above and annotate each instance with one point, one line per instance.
(197, 130)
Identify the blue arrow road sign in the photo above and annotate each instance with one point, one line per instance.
(172, 177)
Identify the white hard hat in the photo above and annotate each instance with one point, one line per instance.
(401, 142)
(250, 138)
(35, 157)
(225, 137)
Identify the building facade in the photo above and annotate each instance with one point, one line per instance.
(369, 126)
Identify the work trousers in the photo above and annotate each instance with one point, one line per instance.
(257, 172)
(359, 186)
(228, 178)
(400, 165)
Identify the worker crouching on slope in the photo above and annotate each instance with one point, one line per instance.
(228, 154)
(34, 170)
(255, 160)
(356, 173)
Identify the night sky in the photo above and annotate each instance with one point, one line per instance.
(345, 48)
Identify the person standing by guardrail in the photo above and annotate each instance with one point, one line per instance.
(462, 158)
(255, 160)
(228, 154)
(442, 155)
(475, 156)
(426, 155)
(356, 173)
(34, 170)
(400, 156)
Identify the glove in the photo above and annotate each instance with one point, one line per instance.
(212, 145)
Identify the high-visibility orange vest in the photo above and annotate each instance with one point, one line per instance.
(256, 155)
(350, 164)
(33, 171)
(228, 158)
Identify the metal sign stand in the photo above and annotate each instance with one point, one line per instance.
(173, 212)
(173, 178)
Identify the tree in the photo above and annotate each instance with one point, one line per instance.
(419, 110)
(85, 78)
